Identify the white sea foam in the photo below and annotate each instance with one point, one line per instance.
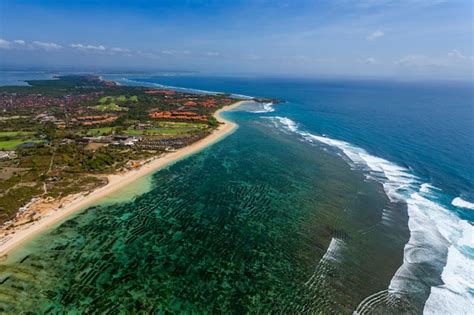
(333, 251)
(461, 203)
(426, 188)
(286, 122)
(266, 108)
(454, 297)
(439, 240)
(332, 255)
(443, 301)
(183, 89)
(242, 96)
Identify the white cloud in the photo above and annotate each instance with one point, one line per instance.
(375, 35)
(4, 44)
(453, 58)
(147, 54)
(88, 47)
(370, 61)
(251, 57)
(212, 53)
(302, 59)
(120, 50)
(456, 54)
(420, 60)
(19, 42)
(175, 52)
(47, 46)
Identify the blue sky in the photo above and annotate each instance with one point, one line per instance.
(403, 38)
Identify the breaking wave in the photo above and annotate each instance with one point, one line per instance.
(438, 262)
(461, 203)
(181, 89)
(266, 108)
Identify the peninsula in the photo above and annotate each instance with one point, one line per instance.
(69, 142)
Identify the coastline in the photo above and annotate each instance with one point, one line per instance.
(26, 232)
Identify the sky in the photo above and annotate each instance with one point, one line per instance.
(367, 38)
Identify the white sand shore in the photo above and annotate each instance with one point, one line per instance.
(116, 182)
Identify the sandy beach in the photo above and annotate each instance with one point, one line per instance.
(25, 232)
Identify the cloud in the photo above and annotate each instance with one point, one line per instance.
(175, 52)
(212, 53)
(147, 54)
(453, 58)
(120, 50)
(16, 44)
(456, 54)
(420, 60)
(304, 60)
(4, 44)
(251, 57)
(375, 35)
(88, 47)
(369, 61)
(47, 46)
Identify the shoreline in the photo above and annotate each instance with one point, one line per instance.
(116, 182)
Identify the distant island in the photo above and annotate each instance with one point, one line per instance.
(68, 141)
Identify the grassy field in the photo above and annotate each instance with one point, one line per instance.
(162, 128)
(109, 103)
(168, 128)
(4, 134)
(100, 131)
(182, 124)
(120, 99)
(159, 131)
(12, 144)
(106, 99)
(110, 107)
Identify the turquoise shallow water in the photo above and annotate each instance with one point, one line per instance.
(243, 226)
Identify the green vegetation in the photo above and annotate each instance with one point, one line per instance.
(100, 131)
(157, 131)
(12, 144)
(109, 103)
(181, 124)
(213, 122)
(110, 107)
(58, 86)
(106, 99)
(7, 134)
(62, 115)
(168, 128)
(121, 98)
(9, 140)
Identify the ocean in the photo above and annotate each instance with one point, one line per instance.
(346, 196)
